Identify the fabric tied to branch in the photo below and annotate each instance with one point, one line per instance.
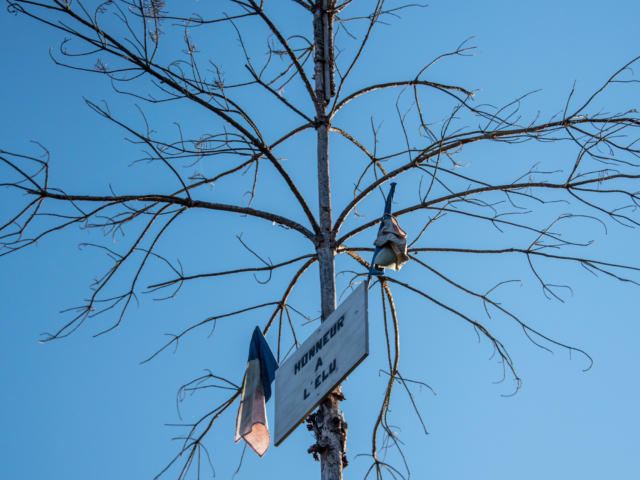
(392, 243)
(251, 423)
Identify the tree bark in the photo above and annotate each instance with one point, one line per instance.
(327, 423)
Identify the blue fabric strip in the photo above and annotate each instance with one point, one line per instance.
(259, 348)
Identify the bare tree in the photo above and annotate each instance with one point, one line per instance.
(133, 44)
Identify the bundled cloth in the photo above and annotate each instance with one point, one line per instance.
(251, 423)
(392, 245)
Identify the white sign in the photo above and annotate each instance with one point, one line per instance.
(330, 353)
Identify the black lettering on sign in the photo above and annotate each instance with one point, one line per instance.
(324, 374)
(316, 347)
(321, 377)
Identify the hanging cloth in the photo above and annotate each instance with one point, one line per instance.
(251, 422)
(391, 242)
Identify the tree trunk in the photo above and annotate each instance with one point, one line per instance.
(327, 423)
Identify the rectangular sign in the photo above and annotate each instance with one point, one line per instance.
(330, 353)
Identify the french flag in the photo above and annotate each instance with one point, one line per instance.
(251, 423)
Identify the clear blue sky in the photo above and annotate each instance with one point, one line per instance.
(85, 408)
